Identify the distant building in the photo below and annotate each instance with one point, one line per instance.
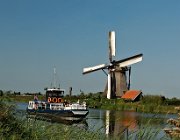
(132, 95)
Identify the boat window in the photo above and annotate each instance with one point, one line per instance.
(39, 106)
(54, 93)
(43, 105)
(49, 94)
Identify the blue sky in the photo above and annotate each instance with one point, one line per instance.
(37, 35)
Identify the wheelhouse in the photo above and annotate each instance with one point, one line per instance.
(54, 95)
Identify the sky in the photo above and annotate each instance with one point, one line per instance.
(38, 35)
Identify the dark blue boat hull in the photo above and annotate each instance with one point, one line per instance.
(59, 115)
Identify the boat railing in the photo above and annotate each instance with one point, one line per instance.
(37, 105)
(75, 106)
(56, 106)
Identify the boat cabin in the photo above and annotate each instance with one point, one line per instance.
(44, 105)
(54, 95)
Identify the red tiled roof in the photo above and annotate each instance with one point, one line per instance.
(131, 94)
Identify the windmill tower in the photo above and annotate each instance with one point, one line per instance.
(117, 79)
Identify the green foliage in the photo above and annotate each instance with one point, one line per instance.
(47, 131)
(173, 101)
(24, 98)
(10, 126)
(153, 99)
(1, 93)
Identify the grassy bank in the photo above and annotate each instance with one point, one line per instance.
(137, 106)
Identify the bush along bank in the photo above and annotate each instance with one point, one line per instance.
(10, 126)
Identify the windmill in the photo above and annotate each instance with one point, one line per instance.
(117, 79)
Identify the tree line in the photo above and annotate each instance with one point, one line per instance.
(2, 93)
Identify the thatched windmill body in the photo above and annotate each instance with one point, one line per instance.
(117, 70)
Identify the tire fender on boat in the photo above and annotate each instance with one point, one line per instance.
(54, 100)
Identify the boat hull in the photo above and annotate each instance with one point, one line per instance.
(59, 115)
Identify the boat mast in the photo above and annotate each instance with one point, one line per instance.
(55, 79)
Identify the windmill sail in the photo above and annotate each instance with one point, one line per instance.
(112, 45)
(130, 60)
(94, 68)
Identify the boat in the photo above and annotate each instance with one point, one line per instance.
(56, 108)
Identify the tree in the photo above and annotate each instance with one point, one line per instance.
(1, 93)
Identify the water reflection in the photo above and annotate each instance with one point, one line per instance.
(114, 120)
(115, 123)
(119, 123)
